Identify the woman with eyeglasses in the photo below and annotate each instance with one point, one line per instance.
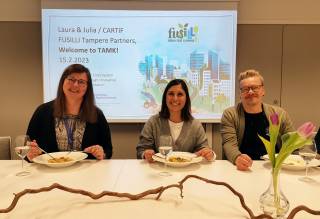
(71, 121)
(174, 120)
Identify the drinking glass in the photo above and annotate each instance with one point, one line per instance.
(22, 148)
(165, 147)
(308, 153)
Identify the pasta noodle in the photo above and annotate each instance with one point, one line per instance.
(178, 159)
(60, 160)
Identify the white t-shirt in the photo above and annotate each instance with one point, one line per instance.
(175, 129)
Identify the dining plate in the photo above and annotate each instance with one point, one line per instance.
(295, 162)
(178, 159)
(73, 156)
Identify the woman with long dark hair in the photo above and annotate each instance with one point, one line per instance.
(174, 119)
(71, 121)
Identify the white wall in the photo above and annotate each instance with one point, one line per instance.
(20, 10)
(279, 12)
(250, 11)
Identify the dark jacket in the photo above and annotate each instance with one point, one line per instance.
(42, 129)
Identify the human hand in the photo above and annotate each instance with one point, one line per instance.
(207, 153)
(243, 162)
(96, 150)
(147, 154)
(34, 150)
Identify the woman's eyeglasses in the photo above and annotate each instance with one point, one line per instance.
(81, 83)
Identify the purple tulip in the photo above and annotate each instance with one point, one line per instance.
(306, 129)
(274, 118)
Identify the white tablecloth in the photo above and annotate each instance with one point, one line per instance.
(200, 200)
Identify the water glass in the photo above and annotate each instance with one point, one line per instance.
(22, 148)
(308, 153)
(165, 148)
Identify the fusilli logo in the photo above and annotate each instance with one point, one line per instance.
(183, 33)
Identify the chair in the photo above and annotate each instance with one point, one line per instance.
(5, 145)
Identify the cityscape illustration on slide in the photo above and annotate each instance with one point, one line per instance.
(206, 74)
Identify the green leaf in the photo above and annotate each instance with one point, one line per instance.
(269, 148)
(285, 137)
(291, 142)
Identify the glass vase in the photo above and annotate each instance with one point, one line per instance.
(272, 201)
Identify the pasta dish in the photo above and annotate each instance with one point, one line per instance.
(178, 159)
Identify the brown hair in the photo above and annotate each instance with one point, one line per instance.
(88, 109)
(186, 110)
(248, 74)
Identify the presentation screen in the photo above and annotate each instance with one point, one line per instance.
(133, 54)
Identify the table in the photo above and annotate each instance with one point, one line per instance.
(200, 200)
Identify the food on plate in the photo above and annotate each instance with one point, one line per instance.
(60, 160)
(178, 159)
(296, 162)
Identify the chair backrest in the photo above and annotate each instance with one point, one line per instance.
(5, 145)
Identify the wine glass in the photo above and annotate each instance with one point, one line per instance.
(22, 148)
(165, 147)
(308, 153)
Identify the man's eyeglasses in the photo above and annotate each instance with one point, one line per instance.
(254, 88)
(81, 83)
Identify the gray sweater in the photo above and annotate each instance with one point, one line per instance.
(233, 125)
(191, 139)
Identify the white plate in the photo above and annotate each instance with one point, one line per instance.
(192, 157)
(295, 162)
(75, 156)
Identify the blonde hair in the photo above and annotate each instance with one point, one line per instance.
(248, 74)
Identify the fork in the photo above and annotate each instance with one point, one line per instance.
(45, 151)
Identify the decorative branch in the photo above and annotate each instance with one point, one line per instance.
(302, 208)
(158, 191)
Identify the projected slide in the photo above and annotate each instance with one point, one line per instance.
(133, 54)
